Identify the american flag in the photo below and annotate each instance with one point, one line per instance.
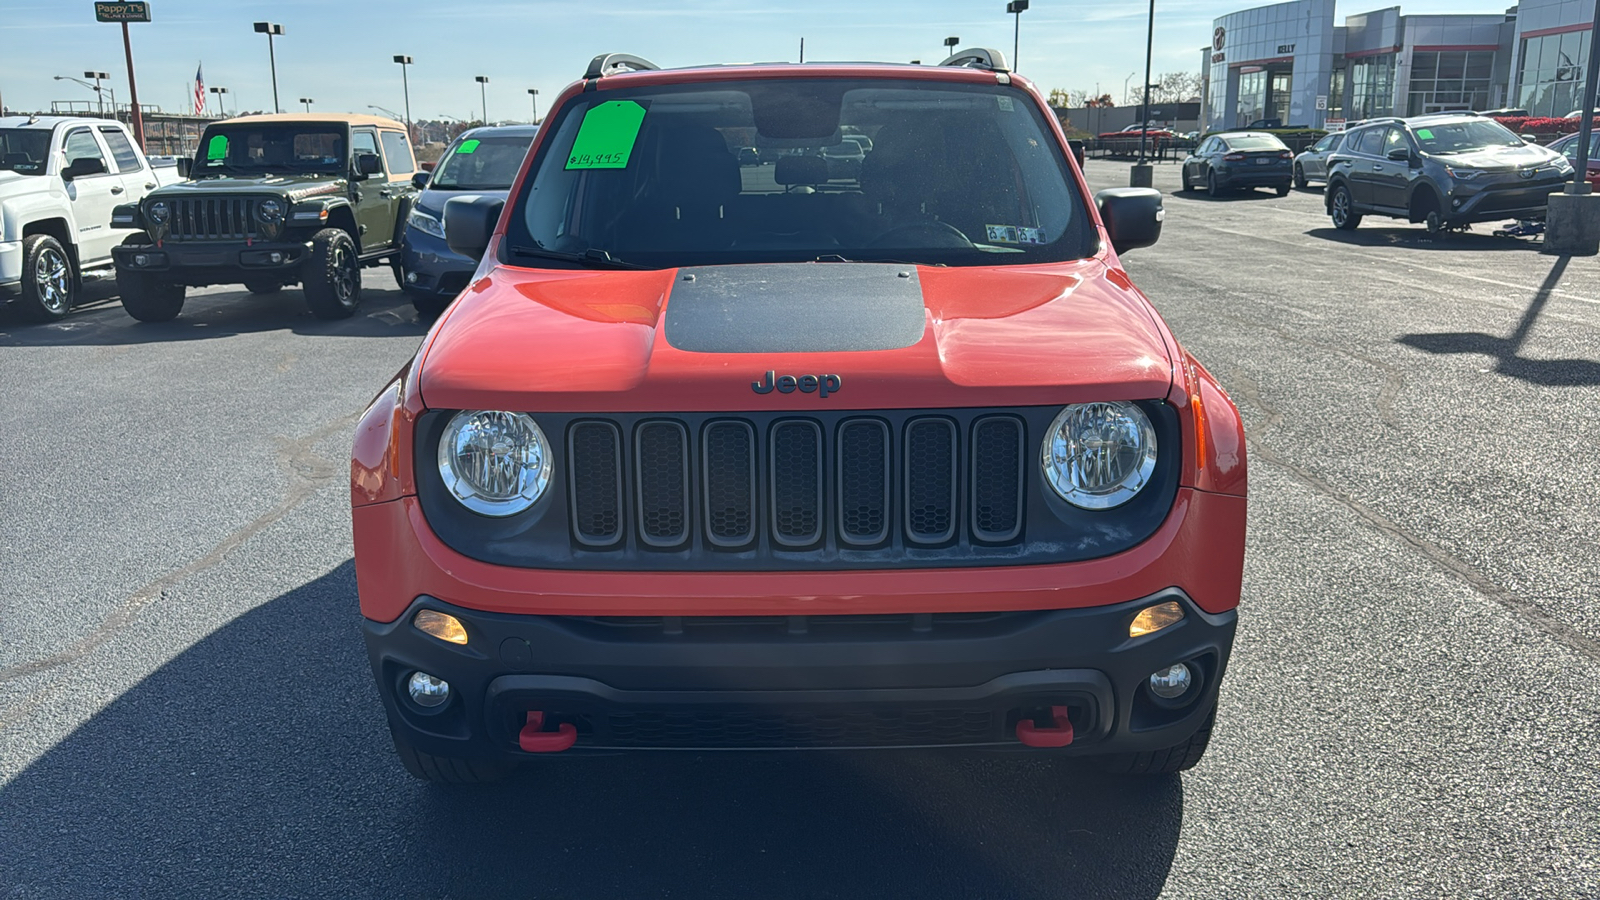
(199, 92)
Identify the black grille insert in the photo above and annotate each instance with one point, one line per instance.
(594, 450)
(931, 480)
(213, 219)
(863, 482)
(663, 477)
(796, 483)
(728, 460)
(997, 478)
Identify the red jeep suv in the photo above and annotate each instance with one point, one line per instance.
(723, 457)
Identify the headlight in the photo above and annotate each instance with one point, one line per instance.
(1099, 455)
(1563, 166)
(425, 223)
(270, 210)
(495, 463)
(157, 212)
(1463, 174)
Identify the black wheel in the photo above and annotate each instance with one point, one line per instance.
(428, 306)
(1283, 190)
(1178, 758)
(1341, 207)
(1211, 184)
(1299, 176)
(146, 295)
(263, 287)
(332, 275)
(1187, 187)
(449, 769)
(48, 286)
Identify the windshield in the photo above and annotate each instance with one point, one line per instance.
(24, 150)
(1457, 137)
(260, 149)
(955, 175)
(481, 164)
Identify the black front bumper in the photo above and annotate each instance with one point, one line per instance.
(200, 263)
(821, 682)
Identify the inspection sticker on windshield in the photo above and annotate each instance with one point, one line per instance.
(468, 146)
(217, 147)
(1006, 104)
(1425, 134)
(1014, 234)
(606, 137)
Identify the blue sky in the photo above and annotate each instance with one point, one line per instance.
(340, 53)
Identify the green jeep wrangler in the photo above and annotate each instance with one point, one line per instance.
(273, 200)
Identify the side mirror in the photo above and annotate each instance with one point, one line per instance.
(1078, 152)
(469, 222)
(185, 166)
(1529, 139)
(1400, 154)
(420, 180)
(82, 167)
(368, 164)
(1132, 216)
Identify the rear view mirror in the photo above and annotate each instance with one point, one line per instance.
(82, 167)
(1132, 216)
(469, 223)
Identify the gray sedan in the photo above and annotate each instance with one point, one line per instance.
(1312, 163)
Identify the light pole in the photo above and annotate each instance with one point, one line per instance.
(307, 101)
(1144, 107)
(96, 88)
(483, 94)
(1572, 223)
(534, 93)
(950, 46)
(1125, 87)
(384, 109)
(98, 76)
(405, 82)
(222, 100)
(270, 29)
(1018, 7)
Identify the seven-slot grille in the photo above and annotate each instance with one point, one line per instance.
(796, 484)
(213, 219)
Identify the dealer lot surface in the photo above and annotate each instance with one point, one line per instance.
(186, 710)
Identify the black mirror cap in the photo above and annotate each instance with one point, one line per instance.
(185, 166)
(1400, 154)
(1078, 152)
(368, 164)
(421, 180)
(1133, 216)
(82, 167)
(469, 222)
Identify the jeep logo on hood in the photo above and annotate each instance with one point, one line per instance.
(821, 385)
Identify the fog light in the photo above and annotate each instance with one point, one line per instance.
(440, 625)
(1152, 619)
(276, 257)
(1168, 684)
(427, 690)
(141, 259)
(411, 278)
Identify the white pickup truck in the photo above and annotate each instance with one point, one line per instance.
(60, 177)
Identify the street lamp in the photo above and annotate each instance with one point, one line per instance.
(222, 101)
(98, 76)
(483, 94)
(1144, 107)
(950, 45)
(1125, 87)
(270, 29)
(307, 101)
(1018, 7)
(94, 88)
(405, 82)
(384, 109)
(534, 93)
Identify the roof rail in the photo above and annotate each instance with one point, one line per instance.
(612, 63)
(978, 58)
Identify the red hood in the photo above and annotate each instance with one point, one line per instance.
(574, 341)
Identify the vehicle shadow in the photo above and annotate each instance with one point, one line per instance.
(1507, 351)
(99, 319)
(256, 763)
(1416, 237)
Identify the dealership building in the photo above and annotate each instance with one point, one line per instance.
(1292, 62)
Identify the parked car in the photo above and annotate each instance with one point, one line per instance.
(60, 177)
(664, 480)
(1568, 148)
(275, 200)
(1264, 124)
(1578, 114)
(1505, 113)
(1444, 171)
(1239, 159)
(1312, 163)
(480, 162)
(749, 156)
(844, 158)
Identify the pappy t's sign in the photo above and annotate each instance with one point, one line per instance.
(128, 11)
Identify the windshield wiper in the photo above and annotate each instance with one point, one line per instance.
(592, 258)
(836, 258)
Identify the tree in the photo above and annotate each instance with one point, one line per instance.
(1059, 98)
(1171, 87)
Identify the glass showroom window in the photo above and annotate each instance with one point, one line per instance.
(1252, 98)
(1552, 67)
(1372, 86)
(1449, 80)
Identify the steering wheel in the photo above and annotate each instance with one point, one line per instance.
(940, 234)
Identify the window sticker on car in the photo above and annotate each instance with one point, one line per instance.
(468, 146)
(217, 147)
(1425, 134)
(1005, 104)
(1014, 234)
(606, 137)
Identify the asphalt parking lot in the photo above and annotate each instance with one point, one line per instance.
(186, 708)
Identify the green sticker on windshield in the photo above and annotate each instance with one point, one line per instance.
(1425, 134)
(468, 146)
(606, 137)
(217, 147)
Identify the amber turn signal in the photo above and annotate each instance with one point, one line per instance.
(1151, 619)
(448, 628)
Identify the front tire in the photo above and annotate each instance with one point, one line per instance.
(1283, 190)
(449, 769)
(48, 286)
(1341, 208)
(1299, 177)
(1177, 758)
(332, 275)
(149, 299)
(1187, 186)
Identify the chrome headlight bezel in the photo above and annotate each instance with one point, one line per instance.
(158, 212)
(427, 223)
(532, 471)
(1128, 469)
(270, 210)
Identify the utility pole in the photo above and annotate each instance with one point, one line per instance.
(483, 94)
(269, 29)
(405, 82)
(1143, 174)
(97, 76)
(802, 50)
(1018, 7)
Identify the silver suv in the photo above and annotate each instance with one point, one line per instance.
(1445, 171)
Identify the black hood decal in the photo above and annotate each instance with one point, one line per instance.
(795, 308)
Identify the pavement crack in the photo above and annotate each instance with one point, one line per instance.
(307, 473)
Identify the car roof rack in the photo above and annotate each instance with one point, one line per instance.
(613, 63)
(978, 58)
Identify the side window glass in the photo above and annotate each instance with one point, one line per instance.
(1363, 141)
(397, 152)
(364, 142)
(121, 150)
(1396, 139)
(82, 145)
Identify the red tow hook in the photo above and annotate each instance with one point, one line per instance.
(1058, 735)
(534, 739)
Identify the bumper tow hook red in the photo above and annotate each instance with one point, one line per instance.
(1057, 735)
(534, 739)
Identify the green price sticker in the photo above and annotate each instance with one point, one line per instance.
(217, 147)
(606, 137)
(1425, 134)
(468, 146)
